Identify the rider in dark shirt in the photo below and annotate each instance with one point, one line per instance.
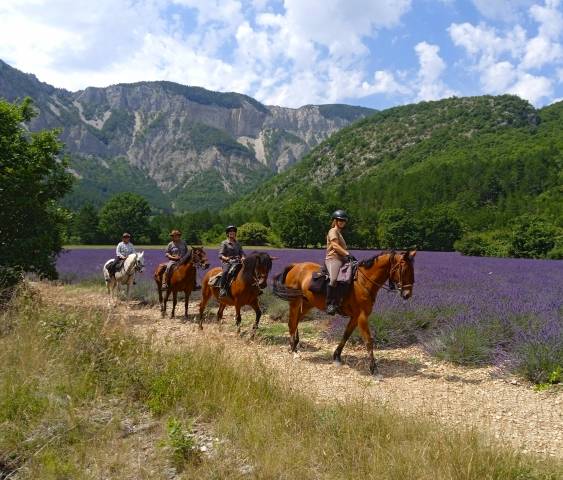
(175, 250)
(230, 252)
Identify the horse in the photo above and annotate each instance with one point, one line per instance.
(245, 288)
(292, 285)
(135, 262)
(182, 279)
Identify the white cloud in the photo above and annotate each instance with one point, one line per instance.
(502, 10)
(533, 88)
(430, 85)
(508, 61)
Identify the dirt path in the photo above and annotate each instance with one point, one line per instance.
(414, 383)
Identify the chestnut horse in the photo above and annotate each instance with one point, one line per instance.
(182, 279)
(245, 288)
(293, 285)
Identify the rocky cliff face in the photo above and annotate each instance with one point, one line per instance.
(178, 135)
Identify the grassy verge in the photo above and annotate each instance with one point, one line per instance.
(67, 386)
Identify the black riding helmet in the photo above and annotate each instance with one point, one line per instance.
(340, 215)
(231, 228)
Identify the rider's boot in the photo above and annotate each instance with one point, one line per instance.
(331, 301)
(391, 285)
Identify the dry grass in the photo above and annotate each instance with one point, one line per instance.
(67, 387)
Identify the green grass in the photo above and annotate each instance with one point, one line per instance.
(60, 369)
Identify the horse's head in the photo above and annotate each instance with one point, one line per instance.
(257, 267)
(200, 258)
(402, 272)
(140, 262)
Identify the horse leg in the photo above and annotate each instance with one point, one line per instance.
(256, 306)
(238, 318)
(127, 293)
(163, 308)
(174, 302)
(186, 302)
(363, 323)
(352, 323)
(159, 289)
(220, 313)
(293, 323)
(205, 296)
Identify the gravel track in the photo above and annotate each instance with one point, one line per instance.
(505, 408)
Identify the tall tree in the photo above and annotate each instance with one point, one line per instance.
(32, 178)
(126, 212)
(86, 225)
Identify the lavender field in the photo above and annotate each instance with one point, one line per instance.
(469, 310)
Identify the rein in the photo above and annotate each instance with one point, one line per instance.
(393, 267)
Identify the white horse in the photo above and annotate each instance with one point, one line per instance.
(135, 262)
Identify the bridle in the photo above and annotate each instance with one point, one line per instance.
(392, 269)
(134, 267)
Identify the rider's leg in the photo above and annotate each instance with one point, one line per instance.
(166, 276)
(333, 266)
(223, 283)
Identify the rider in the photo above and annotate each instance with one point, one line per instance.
(336, 255)
(175, 250)
(123, 250)
(230, 252)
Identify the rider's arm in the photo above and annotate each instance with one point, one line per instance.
(222, 252)
(338, 249)
(169, 255)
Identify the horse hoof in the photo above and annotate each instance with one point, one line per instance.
(378, 377)
(296, 356)
(337, 362)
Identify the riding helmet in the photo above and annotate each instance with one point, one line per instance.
(126, 235)
(340, 215)
(231, 228)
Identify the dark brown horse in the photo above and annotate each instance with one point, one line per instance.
(293, 285)
(182, 279)
(248, 284)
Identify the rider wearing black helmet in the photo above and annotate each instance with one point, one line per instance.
(336, 255)
(230, 252)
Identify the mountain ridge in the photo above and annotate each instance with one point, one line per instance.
(177, 134)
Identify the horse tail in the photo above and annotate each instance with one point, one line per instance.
(281, 290)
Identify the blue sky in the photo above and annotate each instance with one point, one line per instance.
(376, 53)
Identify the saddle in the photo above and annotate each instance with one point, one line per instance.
(215, 280)
(115, 266)
(345, 279)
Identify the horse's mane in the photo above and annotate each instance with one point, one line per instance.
(368, 262)
(255, 259)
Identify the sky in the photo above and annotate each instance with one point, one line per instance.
(375, 53)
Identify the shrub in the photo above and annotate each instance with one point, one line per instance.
(254, 233)
(483, 245)
(532, 237)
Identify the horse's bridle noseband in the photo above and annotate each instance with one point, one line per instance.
(397, 265)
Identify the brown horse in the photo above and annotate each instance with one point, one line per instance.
(245, 288)
(293, 285)
(182, 279)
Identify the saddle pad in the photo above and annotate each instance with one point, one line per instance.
(214, 280)
(318, 282)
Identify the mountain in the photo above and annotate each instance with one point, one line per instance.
(188, 145)
(488, 159)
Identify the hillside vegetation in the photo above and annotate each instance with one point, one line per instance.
(486, 161)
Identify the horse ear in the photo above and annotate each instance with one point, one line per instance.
(412, 254)
(274, 258)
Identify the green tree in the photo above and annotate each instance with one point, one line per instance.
(33, 178)
(86, 225)
(440, 228)
(301, 223)
(126, 212)
(254, 233)
(398, 229)
(532, 237)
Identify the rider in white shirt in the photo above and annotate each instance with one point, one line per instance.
(123, 250)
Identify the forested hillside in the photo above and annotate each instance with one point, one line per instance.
(480, 162)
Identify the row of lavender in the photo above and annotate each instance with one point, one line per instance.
(464, 309)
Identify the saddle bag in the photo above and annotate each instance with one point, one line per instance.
(319, 281)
